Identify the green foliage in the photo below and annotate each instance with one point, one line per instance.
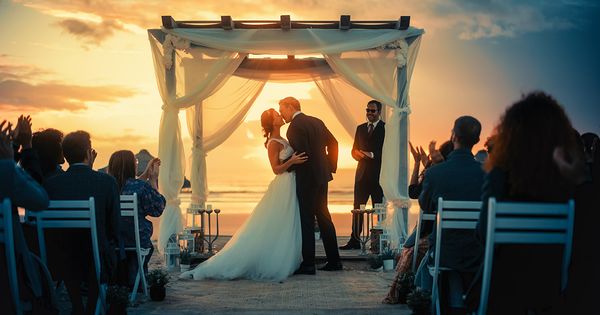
(387, 253)
(185, 257)
(419, 301)
(117, 295)
(158, 278)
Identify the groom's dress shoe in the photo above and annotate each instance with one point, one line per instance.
(350, 246)
(305, 270)
(332, 266)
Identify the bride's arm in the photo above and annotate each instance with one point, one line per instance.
(277, 166)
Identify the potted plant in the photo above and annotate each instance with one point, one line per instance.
(157, 280)
(406, 284)
(185, 259)
(117, 298)
(375, 261)
(387, 256)
(419, 301)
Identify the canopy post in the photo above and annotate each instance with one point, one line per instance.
(345, 23)
(402, 84)
(168, 22)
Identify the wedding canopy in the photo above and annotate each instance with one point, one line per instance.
(206, 69)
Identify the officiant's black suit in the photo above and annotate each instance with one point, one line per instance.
(309, 134)
(366, 179)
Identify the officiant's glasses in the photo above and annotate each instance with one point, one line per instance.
(371, 110)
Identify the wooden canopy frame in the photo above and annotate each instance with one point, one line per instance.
(285, 23)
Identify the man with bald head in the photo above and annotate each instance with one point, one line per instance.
(310, 135)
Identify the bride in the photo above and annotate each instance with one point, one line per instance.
(268, 245)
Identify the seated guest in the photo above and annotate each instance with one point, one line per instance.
(459, 178)
(526, 277)
(22, 191)
(47, 144)
(583, 271)
(123, 166)
(69, 252)
(414, 190)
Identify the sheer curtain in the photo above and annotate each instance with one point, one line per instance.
(383, 75)
(212, 122)
(177, 91)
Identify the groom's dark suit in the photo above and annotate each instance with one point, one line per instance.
(309, 134)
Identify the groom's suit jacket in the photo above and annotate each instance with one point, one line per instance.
(309, 134)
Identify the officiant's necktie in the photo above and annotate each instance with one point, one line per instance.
(370, 128)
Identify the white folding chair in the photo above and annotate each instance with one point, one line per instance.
(526, 223)
(422, 217)
(71, 214)
(129, 208)
(8, 239)
(460, 215)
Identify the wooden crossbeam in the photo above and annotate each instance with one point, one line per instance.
(285, 23)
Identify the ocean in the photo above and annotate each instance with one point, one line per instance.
(237, 196)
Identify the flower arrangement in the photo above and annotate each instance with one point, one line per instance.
(158, 278)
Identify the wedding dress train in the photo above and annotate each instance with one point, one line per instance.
(268, 245)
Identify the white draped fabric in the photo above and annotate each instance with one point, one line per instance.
(394, 165)
(292, 42)
(199, 70)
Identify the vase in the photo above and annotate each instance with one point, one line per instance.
(184, 267)
(158, 293)
(388, 264)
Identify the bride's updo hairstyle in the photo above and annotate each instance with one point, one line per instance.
(266, 121)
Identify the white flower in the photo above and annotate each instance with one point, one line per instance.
(169, 45)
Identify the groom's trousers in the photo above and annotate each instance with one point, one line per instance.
(312, 200)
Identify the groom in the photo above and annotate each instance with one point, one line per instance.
(309, 134)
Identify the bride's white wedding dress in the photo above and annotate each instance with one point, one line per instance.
(268, 245)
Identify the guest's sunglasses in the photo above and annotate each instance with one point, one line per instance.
(371, 110)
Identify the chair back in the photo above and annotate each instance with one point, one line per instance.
(129, 208)
(422, 217)
(69, 214)
(8, 239)
(458, 215)
(526, 223)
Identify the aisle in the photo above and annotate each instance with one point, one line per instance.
(352, 291)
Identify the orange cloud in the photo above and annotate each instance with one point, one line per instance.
(90, 32)
(23, 96)
(470, 20)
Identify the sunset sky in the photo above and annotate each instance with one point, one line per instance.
(87, 65)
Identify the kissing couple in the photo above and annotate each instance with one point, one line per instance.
(278, 239)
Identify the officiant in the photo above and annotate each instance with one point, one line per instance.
(368, 143)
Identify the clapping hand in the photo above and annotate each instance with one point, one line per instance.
(154, 166)
(6, 150)
(418, 154)
(22, 134)
(298, 158)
